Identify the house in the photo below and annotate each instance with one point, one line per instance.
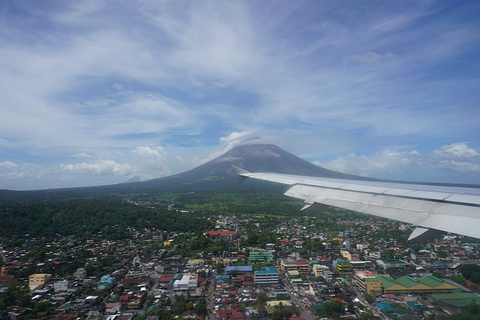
(62, 285)
(113, 307)
(16, 311)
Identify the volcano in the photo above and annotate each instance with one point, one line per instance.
(256, 158)
(215, 175)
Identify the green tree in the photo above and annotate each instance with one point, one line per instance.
(179, 304)
(368, 297)
(334, 308)
(282, 313)
(458, 279)
(201, 307)
(17, 293)
(350, 306)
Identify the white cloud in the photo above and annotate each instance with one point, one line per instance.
(156, 153)
(17, 175)
(82, 155)
(456, 151)
(456, 163)
(100, 167)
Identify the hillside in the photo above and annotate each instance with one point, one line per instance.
(215, 175)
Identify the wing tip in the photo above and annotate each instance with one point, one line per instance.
(241, 174)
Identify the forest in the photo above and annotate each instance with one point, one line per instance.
(80, 216)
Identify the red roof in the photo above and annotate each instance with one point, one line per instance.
(236, 315)
(301, 261)
(221, 233)
(165, 279)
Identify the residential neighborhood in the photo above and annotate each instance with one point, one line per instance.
(246, 267)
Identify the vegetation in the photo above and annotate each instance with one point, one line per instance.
(87, 216)
(471, 272)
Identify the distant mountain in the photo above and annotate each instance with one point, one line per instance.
(218, 173)
(215, 175)
(256, 158)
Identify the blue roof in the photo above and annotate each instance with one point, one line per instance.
(222, 276)
(239, 268)
(382, 305)
(266, 270)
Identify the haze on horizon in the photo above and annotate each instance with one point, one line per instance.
(98, 92)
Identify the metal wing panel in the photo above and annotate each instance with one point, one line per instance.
(452, 209)
(405, 210)
(429, 214)
(464, 198)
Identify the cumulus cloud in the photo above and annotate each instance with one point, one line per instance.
(155, 153)
(456, 163)
(455, 151)
(18, 175)
(152, 162)
(11, 170)
(100, 167)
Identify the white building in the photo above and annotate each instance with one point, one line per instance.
(60, 286)
(266, 276)
(188, 282)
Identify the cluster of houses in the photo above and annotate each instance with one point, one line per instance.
(137, 283)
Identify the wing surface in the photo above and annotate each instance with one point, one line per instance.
(429, 208)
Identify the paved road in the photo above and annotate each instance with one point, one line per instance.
(210, 303)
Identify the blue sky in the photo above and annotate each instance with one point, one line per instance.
(97, 92)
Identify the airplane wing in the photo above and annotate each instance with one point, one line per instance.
(432, 209)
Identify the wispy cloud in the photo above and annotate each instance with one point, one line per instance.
(106, 78)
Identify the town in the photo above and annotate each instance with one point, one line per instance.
(345, 265)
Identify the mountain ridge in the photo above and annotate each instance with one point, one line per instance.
(214, 175)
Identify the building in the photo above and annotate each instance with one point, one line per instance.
(256, 256)
(80, 274)
(195, 263)
(323, 271)
(223, 234)
(238, 269)
(60, 286)
(266, 276)
(302, 266)
(392, 264)
(343, 265)
(113, 307)
(455, 302)
(350, 256)
(38, 280)
(367, 282)
(361, 265)
(270, 246)
(186, 282)
(409, 285)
